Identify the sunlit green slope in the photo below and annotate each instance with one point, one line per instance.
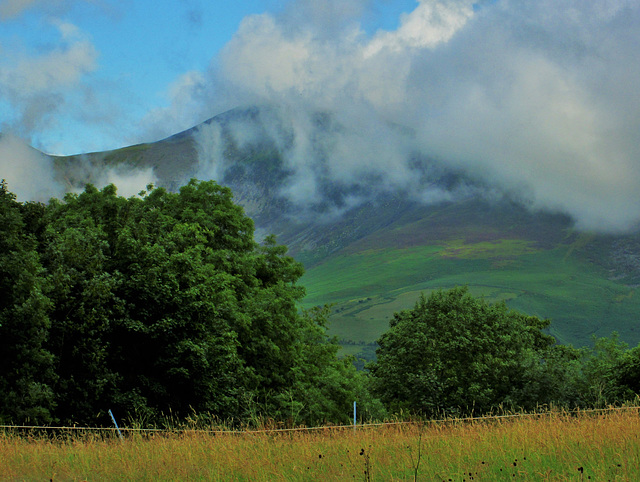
(539, 266)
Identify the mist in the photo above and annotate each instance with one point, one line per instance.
(128, 181)
(31, 175)
(537, 101)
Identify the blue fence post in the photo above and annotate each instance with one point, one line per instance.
(116, 424)
(354, 415)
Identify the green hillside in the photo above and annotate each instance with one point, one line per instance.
(545, 272)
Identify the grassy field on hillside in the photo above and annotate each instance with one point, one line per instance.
(367, 287)
(602, 445)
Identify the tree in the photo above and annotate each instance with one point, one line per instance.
(186, 261)
(627, 375)
(611, 372)
(166, 303)
(148, 298)
(456, 354)
(323, 386)
(82, 287)
(158, 304)
(27, 373)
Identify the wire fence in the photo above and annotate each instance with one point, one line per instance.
(362, 426)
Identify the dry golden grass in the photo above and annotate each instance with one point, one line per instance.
(556, 446)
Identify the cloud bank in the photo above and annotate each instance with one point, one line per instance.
(539, 99)
(52, 88)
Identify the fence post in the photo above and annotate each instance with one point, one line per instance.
(116, 424)
(354, 416)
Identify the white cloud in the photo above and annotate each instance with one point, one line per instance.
(58, 69)
(538, 98)
(31, 176)
(128, 181)
(268, 58)
(186, 98)
(430, 24)
(37, 86)
(544, 106)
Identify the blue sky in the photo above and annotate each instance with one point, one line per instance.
(123, 56)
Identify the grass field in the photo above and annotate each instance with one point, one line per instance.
(368, 286)
(599, 445)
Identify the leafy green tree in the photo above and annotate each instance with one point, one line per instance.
(324, 386)
(626, 375)
(82, 288)
(27, 375)
(606, 369)
(185, 260)
(156, 304)
(147, 294)
(165, 303)
(552, 377)
(456, 354)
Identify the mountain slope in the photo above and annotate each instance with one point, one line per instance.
(553, 280)
(374, 256)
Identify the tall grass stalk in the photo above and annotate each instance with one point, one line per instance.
(552, 446)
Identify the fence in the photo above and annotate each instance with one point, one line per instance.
(486, 418)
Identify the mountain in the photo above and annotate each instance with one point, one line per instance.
(370, 249)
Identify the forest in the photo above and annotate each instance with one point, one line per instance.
(165, 303)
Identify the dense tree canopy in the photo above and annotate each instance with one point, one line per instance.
(27, 366)
(455, 354)
(156, 304)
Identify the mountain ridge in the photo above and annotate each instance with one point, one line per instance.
(535, 261)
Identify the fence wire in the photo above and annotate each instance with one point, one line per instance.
(485, 418)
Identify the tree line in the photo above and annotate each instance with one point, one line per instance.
(165, 303)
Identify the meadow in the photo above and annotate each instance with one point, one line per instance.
(367, 287)
(556, 445)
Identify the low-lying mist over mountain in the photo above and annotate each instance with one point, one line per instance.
(309, 170)
(371, 237)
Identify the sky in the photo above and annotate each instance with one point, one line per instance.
(539, 99)
(87, 75)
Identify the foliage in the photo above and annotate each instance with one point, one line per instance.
(165, 304)
(27, 375)
(325, 386)
(601, 380)
(156, 304)
(457, 354)
(626, 374)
